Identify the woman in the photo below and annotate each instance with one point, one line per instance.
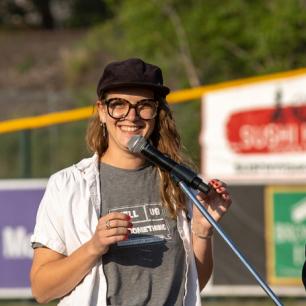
(115, 229)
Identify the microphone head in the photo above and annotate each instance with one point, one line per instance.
(136, 144)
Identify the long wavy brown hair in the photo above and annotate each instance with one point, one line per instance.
(165, 138)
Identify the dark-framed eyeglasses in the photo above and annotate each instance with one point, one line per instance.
(119, 108)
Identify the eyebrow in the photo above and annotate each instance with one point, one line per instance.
(152, 99)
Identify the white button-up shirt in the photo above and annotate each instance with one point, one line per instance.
(67, 218)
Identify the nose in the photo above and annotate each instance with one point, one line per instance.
(132, 115)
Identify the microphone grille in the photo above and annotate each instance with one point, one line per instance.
(136, 144)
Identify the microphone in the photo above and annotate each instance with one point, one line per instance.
(138, 144)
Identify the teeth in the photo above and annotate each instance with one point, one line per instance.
(129, 128)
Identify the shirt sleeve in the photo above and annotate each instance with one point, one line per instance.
(36, 245)
(49, 230)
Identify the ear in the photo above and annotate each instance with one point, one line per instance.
(102, 111)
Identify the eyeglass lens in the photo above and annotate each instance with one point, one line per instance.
(119, 108)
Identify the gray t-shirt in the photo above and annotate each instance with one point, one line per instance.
(148, 268)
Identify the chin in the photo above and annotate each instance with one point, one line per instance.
(126, 139)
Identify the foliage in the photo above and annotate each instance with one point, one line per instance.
(187, 117)
(217, 41)
(233, 40)
(87, 13)
(50, 14)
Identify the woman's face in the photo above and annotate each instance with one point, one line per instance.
(121, 130)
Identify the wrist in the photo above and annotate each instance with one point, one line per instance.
(200, 231)
(93, 249)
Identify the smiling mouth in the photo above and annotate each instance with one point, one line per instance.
(126, 128)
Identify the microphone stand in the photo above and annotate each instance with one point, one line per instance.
(231, 244)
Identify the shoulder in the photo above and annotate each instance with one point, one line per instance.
(74, 174)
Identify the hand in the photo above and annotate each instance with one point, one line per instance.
(111, 228)
(217, 203)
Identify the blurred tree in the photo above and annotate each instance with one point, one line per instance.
(44, 10)
(87, 13)
(48, 14)
(200, 42)
(26, 13)
(195, 41)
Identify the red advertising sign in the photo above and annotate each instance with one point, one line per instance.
(267, 130)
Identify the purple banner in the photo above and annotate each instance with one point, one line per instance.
(19, 201)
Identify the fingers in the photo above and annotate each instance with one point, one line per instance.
(111, 224)
(217, 201)
(111, 221)
(117, 216)
(114, 224)
(220, 188)
(119, 229)
(217, 183)
(111, 228)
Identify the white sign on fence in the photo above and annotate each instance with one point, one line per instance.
(256, 133)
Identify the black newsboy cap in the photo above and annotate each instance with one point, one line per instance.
(132, 72)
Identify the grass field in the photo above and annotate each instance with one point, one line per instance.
(207, 302)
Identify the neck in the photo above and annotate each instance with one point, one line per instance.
(127, 160)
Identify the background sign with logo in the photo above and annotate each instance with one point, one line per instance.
(285, 212)
(19, 201)
(256, 132)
